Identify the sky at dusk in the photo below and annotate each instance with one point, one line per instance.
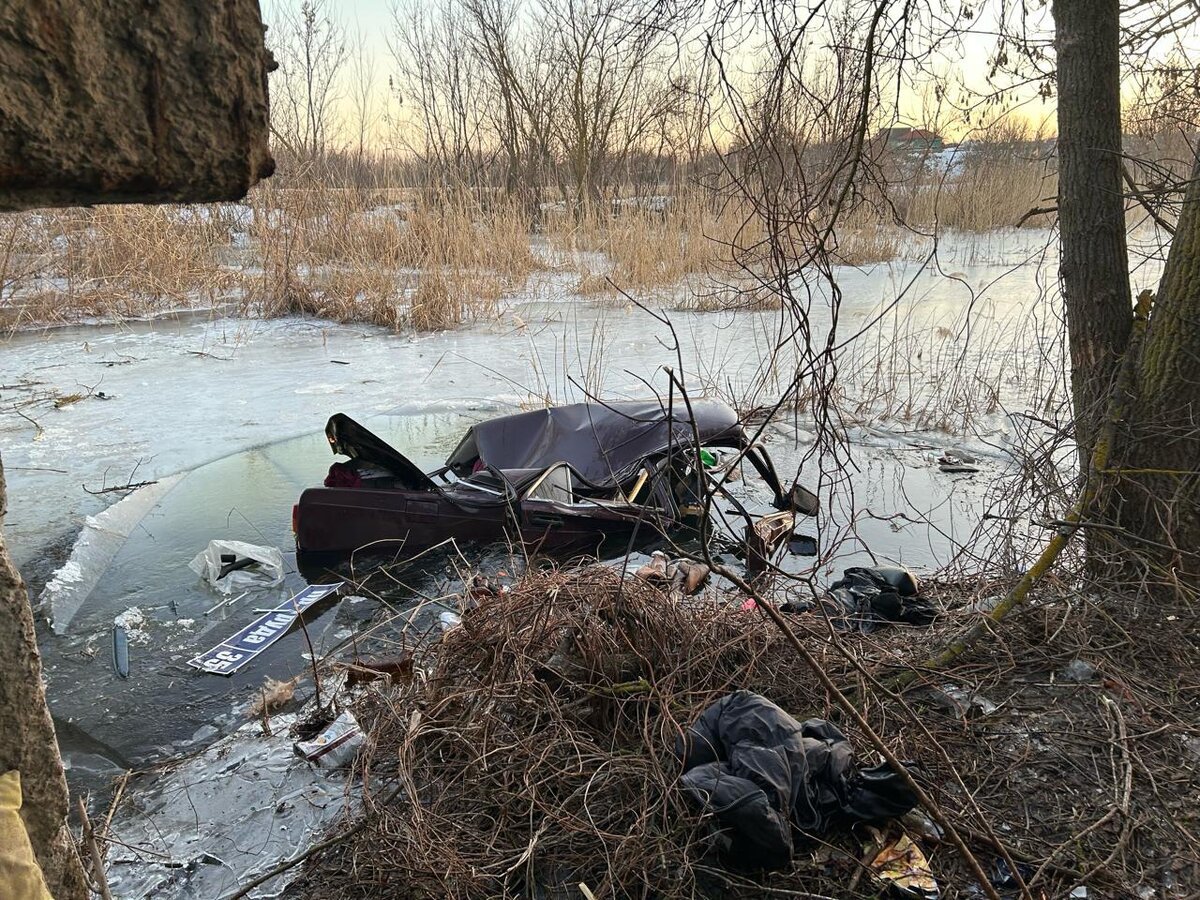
(368, 24)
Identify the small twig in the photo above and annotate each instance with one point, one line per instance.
(136, 849)
(132, 486)
(89, 838)
(1036, 211)
(112, 807)
(864, 865)
(266, 716)
(312, 658)
(31, 421)
(1140, 196)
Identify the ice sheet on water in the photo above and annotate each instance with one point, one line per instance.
(216, 820)
(102, 536)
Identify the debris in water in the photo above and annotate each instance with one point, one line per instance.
(133, 621)
(229, 601)
(764, 537)
(231, 576)
(956, 462)
(273, 695)
(237, 808)
(335, 746)
(230, 563)
(685, 576)
(120, 651)
(689, 576)
(233, 653)
(802, 545)
(656, 569)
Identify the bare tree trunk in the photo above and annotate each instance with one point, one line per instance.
(1094, 266)
(27, 740)
(1159, 484)
(1154, 501)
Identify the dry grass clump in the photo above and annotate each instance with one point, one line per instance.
(313, 249)
(656, 242)
(989, 192)
(862, 238)
(340, 255)
(152, 251)
(112, 261)
(720, 297)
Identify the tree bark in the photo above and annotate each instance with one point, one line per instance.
(112, 101)
(1158, 485)
(1094, 263)
(27, 740)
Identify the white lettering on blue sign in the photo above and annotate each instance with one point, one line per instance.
(231, 654)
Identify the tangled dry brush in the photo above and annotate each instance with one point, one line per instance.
(533, 751)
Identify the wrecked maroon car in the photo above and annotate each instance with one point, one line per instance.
(562, 480)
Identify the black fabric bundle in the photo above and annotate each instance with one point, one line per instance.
(867, 599)
(767, 777)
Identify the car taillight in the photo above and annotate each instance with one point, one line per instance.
(295, 518)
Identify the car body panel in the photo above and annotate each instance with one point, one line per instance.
(556, 481)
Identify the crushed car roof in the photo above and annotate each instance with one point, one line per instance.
(604, 442)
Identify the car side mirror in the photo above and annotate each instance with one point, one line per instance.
(803, 501)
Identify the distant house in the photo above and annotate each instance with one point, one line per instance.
(919, 140)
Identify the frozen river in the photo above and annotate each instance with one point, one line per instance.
(226, 416)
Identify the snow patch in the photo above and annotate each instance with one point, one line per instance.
(133, 621)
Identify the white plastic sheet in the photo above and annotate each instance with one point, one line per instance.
(267, 573)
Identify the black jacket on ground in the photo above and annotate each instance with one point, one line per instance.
(764, 775)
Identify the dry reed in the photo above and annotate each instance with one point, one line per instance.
(983, 193)
(340, 255)
(656, 242)
(537, 754)
(399, 259)
(533, 752)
